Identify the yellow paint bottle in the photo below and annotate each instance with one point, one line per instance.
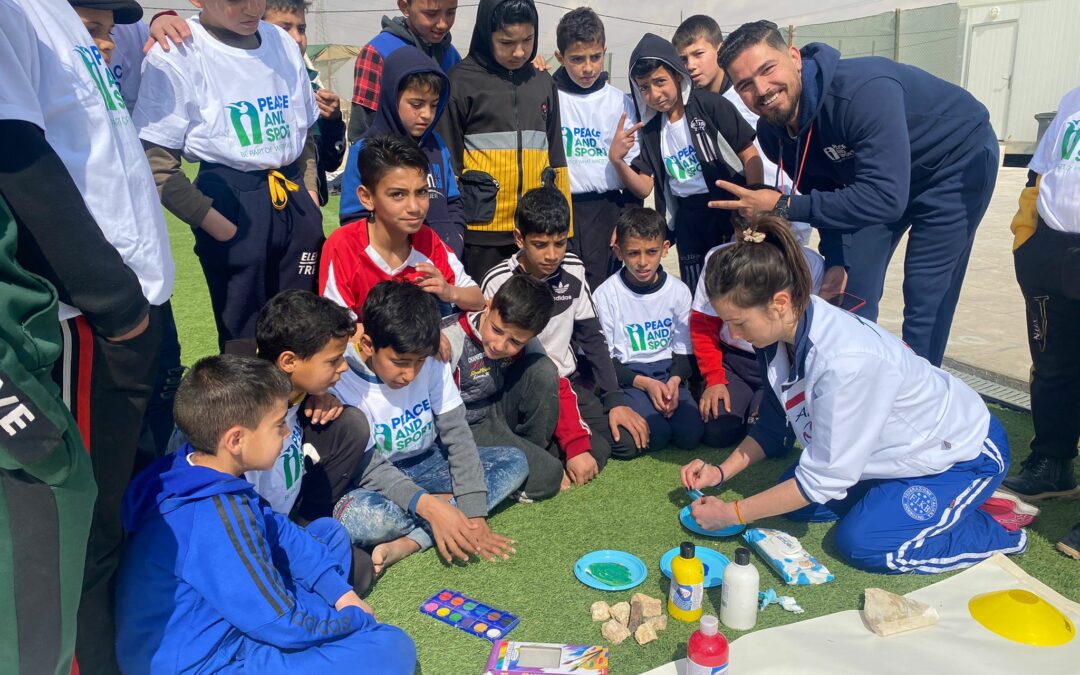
(687, 585)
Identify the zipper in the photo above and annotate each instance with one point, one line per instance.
(517, 125)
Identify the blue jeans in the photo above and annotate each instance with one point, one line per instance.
(371, 518)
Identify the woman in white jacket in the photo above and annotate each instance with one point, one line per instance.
(901, 452)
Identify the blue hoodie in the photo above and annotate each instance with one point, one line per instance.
(880, 132)
(445, 212)
(210, 568)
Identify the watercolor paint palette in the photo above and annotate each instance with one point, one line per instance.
(471, 616)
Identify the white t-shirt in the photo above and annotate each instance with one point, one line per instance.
(281, 485)
(1057, 160)
(644, 328)
(127, 58)
(246, 109)
(402, 420)
(52, 74)
(801, 230)
(685, 178)
(701, 298)
(589, 123)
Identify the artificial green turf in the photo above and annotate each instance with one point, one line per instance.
(632, 506)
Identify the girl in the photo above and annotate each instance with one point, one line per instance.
(901, 452)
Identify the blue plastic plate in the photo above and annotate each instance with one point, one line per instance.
(689, 523)
(637, 569)
(713, 561)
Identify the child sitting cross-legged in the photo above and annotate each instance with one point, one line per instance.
(645, 314)
(215, 580)
(418, 422)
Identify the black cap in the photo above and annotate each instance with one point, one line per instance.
(124, 11)
(742, 556)
(686, 550)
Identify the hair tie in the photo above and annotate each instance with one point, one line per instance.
(753, 237)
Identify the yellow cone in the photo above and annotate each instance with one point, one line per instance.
(1022, 616)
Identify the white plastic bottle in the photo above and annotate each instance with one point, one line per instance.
(739, 597)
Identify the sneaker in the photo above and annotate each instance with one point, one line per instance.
(1070, 543)
(1009, 511)
(1041, 477)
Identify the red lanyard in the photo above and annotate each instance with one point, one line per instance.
(802, 163)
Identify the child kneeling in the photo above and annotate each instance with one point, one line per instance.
(419, 424)
(645, 313)
(213, 579)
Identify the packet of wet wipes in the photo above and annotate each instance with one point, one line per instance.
(786, 555)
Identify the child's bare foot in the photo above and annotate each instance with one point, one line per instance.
(566, 482)
(386, 554)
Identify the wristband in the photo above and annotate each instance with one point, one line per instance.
(723, 477)
(738, 513)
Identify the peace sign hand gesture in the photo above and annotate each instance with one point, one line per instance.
(623, 140)
(747, 202)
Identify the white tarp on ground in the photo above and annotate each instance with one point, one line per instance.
(840, 644)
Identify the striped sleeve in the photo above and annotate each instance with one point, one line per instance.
(230, 564)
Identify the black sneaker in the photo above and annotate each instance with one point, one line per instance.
(1041, 477)
(1070, 543)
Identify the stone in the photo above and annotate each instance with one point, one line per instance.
(650, 606)
(621, 612)
(614, 632)
(645, 634)
(887, 613)
(600, 611)
(658, 623)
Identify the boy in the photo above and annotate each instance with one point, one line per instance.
(424, 24)
(237, 99)
(413, 97)
(213, 576)
(71, 110)
(698, 40)
(329, 129)
(592, 111)
(394, 242)
(509, 385)
(1046, 255)
(689, 140)
(645, 315)
(502, 127)
(543, 221)
(419, 424)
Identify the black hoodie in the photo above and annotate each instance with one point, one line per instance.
(718, 130)
(505, 124)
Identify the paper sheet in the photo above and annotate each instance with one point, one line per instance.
(840, 643)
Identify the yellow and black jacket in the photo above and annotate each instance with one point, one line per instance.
(502, 129)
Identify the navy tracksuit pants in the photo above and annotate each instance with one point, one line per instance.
(943, 214)
(272, 250)
(683, 429)
(922, 524)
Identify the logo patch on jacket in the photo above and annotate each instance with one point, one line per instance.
(838, 152)
(697, 124)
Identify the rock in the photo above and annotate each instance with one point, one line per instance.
(635, 615)
(614, 632)
(887, 614)
(650, 606)
(658, 623)
(621, 612)
(645, 634)
(600, 611)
